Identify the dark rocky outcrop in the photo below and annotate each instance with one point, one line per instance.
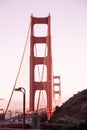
(72, 112)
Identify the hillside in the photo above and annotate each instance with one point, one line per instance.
(73, 111)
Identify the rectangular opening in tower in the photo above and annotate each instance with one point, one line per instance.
(40, 30)
(40, 73)
(56, 88)
(56, 97)
(42, 101)
(40, 50)
(56, 80)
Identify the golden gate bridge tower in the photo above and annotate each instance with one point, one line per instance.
(42, 60)
(45, 61)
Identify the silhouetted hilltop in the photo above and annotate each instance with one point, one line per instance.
(73, 111)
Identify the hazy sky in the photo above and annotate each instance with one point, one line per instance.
(69, 40)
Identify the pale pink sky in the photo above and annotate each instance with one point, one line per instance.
(69, 40)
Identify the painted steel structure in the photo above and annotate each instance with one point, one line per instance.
(45, 60)
(57, 88)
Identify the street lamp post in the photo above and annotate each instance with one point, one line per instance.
(21, 89)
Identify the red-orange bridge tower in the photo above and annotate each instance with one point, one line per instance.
(45, 81)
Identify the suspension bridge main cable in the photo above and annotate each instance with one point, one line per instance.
(26, 42)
